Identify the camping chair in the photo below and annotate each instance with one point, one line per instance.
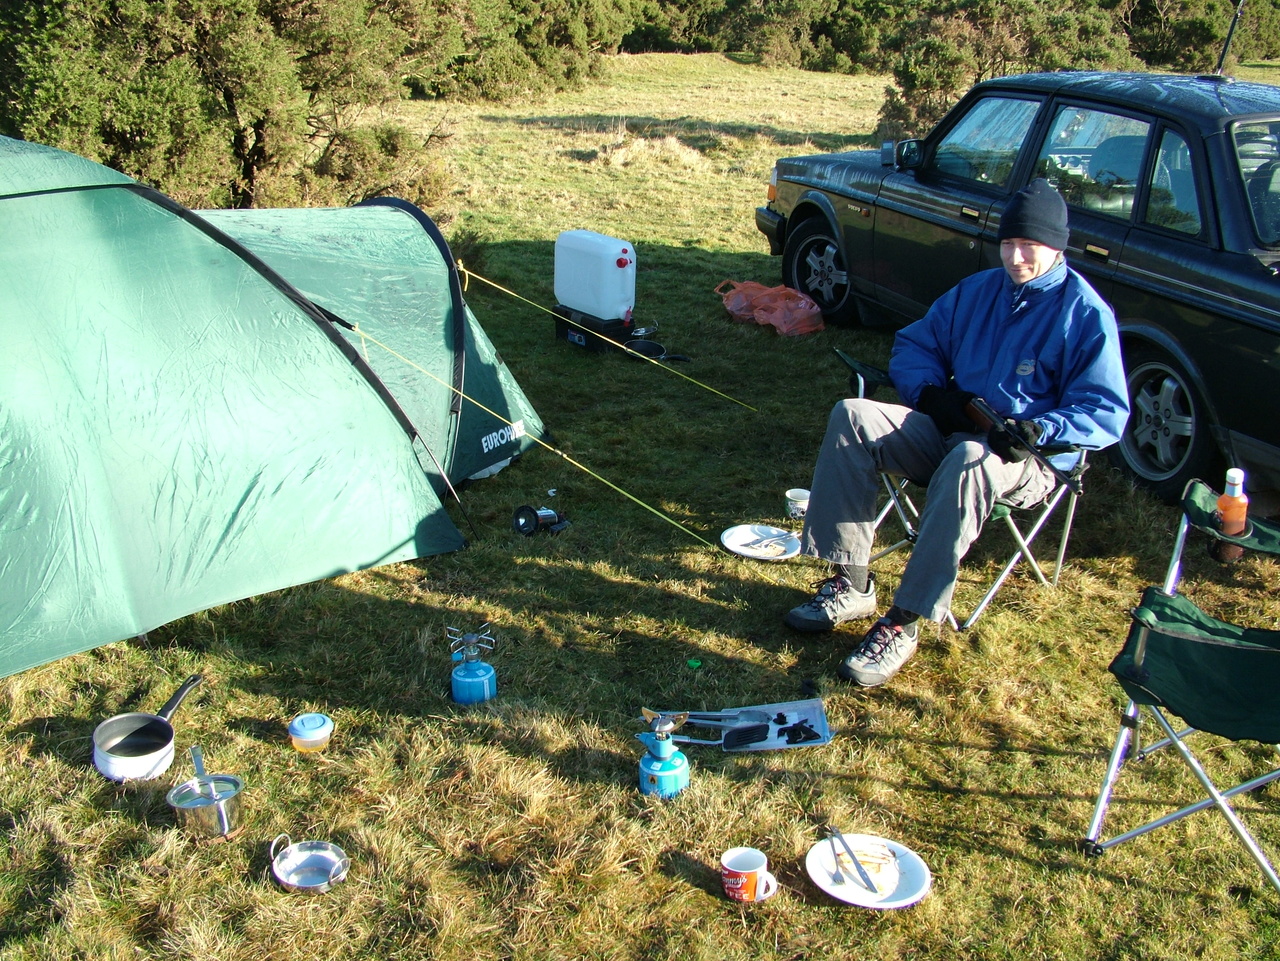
(866, 379)
(1217, 677)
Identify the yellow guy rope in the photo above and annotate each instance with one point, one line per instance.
(463, 270)
(582, 467)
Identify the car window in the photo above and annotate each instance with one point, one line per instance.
(1094, 158)
(1258, 154)
(985, 143)
(1173, 202)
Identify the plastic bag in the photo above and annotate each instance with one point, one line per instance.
(738, 298)
(787, 310)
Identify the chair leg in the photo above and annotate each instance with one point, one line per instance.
(1128, 725)
(900, 502)
(1094, 847)
(1024, 550)
(1073, 498)
(1220, 801)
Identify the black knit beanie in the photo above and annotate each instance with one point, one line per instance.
(1036, 212)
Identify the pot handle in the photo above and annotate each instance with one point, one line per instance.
(171, 705)
(339, 870)
(275, 845)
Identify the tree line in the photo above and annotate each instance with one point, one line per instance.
(276, 102)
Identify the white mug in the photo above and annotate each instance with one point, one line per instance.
(745, 876)
(797, 502)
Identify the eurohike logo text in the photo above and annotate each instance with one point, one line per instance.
(499, 437)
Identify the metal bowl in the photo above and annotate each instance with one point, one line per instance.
(311, 866)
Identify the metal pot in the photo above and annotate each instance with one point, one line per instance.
(209, 804)
(138, 745)
(309, 866)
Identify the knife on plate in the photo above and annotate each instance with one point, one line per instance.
(862, 872)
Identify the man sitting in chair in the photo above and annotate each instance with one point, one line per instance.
(1041, 347)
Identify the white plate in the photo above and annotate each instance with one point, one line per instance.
(761, 542)
(914, 878)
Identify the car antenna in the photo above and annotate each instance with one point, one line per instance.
(1226, 44)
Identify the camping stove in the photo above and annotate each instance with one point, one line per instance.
(473, 680)
(664, 771)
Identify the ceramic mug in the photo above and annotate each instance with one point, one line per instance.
(744, 873)
(797, 502)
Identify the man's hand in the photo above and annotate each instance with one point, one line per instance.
(1000, 441)
(947, 408)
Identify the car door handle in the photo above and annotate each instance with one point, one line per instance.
(970, 212)
(1093, 250)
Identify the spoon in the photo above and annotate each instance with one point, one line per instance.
(197, 759)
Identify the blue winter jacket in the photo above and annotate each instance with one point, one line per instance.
(1047, 351)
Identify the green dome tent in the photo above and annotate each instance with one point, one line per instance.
(196, 408)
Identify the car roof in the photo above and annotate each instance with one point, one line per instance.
(1204, 101)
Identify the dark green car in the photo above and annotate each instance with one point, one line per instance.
(1173, 184)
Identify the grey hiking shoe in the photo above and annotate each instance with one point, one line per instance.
(881, 654)
(835, 603)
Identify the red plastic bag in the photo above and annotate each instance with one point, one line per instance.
(789, 311)
(737, 300)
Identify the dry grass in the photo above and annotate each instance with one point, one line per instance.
(514, 830)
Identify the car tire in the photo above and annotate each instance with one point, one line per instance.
(812, 264)
(1167, 440)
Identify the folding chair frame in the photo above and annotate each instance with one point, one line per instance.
(1129, 748)
(866, 378)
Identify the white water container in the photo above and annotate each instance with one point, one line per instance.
(595, 274)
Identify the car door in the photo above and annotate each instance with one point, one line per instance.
(930, 219)
(1203, 323)
(1094, 156)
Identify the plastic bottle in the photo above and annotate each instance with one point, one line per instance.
(1233, 508)
(595, 274)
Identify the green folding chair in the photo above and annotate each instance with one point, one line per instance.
(864, 380)
(1214, 676)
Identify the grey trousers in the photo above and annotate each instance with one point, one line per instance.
(964, 479)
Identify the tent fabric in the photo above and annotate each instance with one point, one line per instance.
(384, 269)
(179, 426)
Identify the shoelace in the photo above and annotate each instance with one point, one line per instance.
(827, 589)
(882, 638)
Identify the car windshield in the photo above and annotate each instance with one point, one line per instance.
(1258, 153)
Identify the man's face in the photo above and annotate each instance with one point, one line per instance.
(1026, 259)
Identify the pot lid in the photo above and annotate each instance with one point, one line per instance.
(311, 726)
(204, 791)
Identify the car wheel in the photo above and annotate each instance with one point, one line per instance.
(813, 265)
(1166, 442)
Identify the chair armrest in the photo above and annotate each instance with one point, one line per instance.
(1200, 504)
(872, 377)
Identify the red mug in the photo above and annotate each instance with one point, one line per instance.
(745, 875)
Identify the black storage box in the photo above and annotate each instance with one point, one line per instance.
(590, 332)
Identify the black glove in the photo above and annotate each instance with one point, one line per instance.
(946, 407)
(1006, 447)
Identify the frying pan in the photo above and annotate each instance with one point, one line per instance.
(138, 745)
(651, 350)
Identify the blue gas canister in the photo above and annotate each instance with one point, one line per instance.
(664, 770)
(473, 680)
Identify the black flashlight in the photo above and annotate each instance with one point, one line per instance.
(530, 520)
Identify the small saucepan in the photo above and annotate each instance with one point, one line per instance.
(209, 804)
(138, 746)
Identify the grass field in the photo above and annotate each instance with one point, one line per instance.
(514, 829)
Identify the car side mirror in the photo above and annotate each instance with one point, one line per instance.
(908, 154)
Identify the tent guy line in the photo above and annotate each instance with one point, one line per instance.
(468, 274)
(537, 440)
